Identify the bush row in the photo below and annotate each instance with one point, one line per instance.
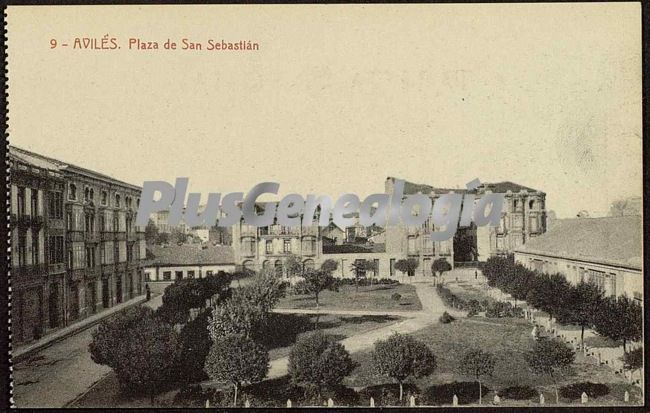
(492, 309)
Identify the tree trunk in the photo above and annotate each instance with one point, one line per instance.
(624, 349)
(480, 392)
(401, 391)
(316, 300)
(235, 400)
(582, 337)
(151, 397)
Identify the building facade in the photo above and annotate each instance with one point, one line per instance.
(75, 248)
(167, 264)
(523, 218)
(606, 251)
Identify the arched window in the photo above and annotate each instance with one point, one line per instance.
(278, 268)
(249, 265)
(104, 197)
(117, 200)
(92, 194)
(86, 194)
(308, 265)
(72, 192)
(531, 204)
(266, 264)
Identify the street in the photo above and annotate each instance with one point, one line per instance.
(58, 374)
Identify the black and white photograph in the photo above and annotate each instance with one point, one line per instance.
(325, 205)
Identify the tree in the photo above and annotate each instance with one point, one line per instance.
(478, 363)
(195, 346)
(620, 319)
(329, 265)
(237, 360)
(360, 268)
(317, 361)
(407, 266)
(550, 356)
(151, 233)
(163, 238)
(141, 349)
(581, 307)
(319, 280)
(400, 357)
(178, 236)
(246, 308)
(293, 266)
(550, 293)
(440, 265)
(633, 359)
(183, 295)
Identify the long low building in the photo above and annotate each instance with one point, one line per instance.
(607, 251)
(166, 264)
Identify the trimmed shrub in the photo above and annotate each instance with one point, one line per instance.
(575, 390)
(446, 318)
(466, 391)
(300, 288)
(396, 296)
(518, 393)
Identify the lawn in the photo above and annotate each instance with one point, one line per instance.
(293, 326)
(508, 339)
(371, 298)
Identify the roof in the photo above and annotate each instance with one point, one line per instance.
(607, 240)
(190, 255)
(411, 188)
(52, 164)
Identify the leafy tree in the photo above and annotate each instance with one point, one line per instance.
(178, 236)
(400, 357)
(246, 308)
(183, 295)
(620, 319)
(293, 266)
(195, 345)
(550, 356)
(151, 233)
(581, 307)
(141, 349)
(318, 281)
(633, 359)
(216, 287)
(329, 265)
(407, 266)
(163, 238)
(237, 360)
(440, 266)
(478, 363)
(360, 268)
(317, 361)
(550, 294)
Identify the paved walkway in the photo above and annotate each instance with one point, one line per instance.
(61, 370)
(432, 309)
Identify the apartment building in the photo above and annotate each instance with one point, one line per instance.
(75, 248)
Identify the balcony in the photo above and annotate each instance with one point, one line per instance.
(74, 236)
(131, 236)
(311, 230)
(107, 236)
(120, 236)
(91, 237)
(77, 274)
(248, 231)
(30, 270)
(56, 268)
(108, 268)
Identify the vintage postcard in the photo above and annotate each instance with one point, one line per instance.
(320, 205)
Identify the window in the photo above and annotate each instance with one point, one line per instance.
(55, 250)
(392, 267)
(269, 246)
(21, 201)
(55, 207)
(101, 223)
(72, 192)
(70, 259)
(179, 275)
(167, 275)
(34, 202)
(92, 194)
(208, 272)
(116, 222)
(87, 194)
(35, 250)
(104, 197)
(128, 202)
(287, 245)
(69, 221)
(190, 274)
(531, 204)
(117, 200)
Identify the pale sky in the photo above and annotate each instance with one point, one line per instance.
(340, 97)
